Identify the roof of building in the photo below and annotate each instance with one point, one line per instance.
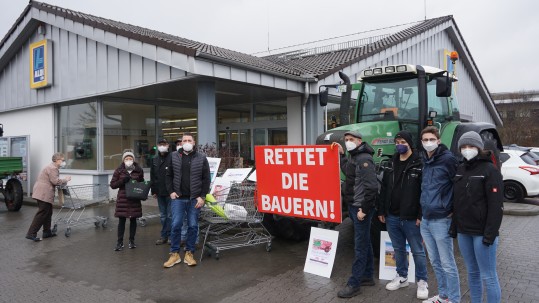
(319, 65)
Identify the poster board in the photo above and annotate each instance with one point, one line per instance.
(388, 267)
(214, 167)
(321, 252)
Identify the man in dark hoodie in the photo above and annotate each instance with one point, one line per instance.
(400, 209)
(159, 188)
(439, 168)
(360, 191)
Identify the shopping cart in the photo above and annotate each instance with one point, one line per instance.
(240, 212)
(73, 201)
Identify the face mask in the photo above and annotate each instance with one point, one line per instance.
(469, 153)
(128, 163)
(402, 149)
(350, 145)
(63, 164)
(178, 147)
(430, 146)
(187, 147)
(162, 149)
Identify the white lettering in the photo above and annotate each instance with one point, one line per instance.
(278, 156)
(309, 156)
(268, 156)
(321, 151)
(266, 202)
(287, 181)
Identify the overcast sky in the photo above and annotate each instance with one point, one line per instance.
(501, 35)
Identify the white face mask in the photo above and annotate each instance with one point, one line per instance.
(128, 163)
(178, 147)
(350, 145)
(469, 153)
(430, 146)
(187, 147)
(162, 149)
(63, 164)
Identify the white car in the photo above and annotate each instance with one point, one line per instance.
(535, 150)
(520, 175)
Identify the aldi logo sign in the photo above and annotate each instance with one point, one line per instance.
(41, 64)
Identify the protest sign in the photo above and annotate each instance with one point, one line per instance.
(388, 265)
(299, 181)
(321, 252)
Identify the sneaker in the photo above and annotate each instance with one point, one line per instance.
(436, 299)
(422, 289)
(172, 260)
(132, 244)
(367, 282)
(161, 241)
(189, 259)
(48, 234)
(349, 292)
(33, 238)
(397, 282)
(119, 246)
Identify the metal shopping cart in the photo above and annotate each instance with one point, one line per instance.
(73, 201)
(239, 212)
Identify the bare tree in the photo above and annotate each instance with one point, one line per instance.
(520, 114)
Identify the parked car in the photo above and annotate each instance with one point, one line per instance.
(532, 154)
(535, 150)
(520, 175)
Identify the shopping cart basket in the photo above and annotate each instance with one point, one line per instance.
(73, 201)
(240, 212)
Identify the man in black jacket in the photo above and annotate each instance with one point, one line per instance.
(159, 188)
(360, 191)
(400, 208)
(188, 182)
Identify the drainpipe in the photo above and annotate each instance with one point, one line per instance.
(304, 114)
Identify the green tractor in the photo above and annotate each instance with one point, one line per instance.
(402, 97)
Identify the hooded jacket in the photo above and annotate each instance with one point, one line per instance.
(410, 208)
(437, 185)
(361, 185)
(478, 199)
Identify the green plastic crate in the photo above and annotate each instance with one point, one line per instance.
(10, 165)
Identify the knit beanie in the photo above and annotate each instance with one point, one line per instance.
(128, 152)
(471, 138)
(404, 134)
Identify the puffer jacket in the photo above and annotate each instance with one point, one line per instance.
(200, 175)
(437, 185)
(478, 199)
(361, 185)
(128, 208)
(410, 184)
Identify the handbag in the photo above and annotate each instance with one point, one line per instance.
(137, 190)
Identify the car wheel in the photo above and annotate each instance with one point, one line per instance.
(513, 191)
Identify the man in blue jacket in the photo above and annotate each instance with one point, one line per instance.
(439, 168)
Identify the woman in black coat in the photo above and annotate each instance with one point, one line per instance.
(477, 216)
(126, 208)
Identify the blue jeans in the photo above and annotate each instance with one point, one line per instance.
(363, 266)
(185, 227)
(180, 209)
(440, 248)
(165, 214)
(399, 231)
(480, 263)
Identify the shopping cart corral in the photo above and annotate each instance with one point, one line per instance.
(238, 212)
(73, 201)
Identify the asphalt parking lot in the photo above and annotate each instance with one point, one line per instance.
(84, 267)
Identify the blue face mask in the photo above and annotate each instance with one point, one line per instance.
(401, 148)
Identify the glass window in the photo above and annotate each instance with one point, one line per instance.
(234, 113)
(77, 127)
(174, 121)
(270, 111)
(128, 126)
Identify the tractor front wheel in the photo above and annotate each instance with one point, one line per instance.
(13, 195)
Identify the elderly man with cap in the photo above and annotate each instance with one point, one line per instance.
(400, 209)
(360, 191)
(158, 172)
(125, 207)
(477, 216)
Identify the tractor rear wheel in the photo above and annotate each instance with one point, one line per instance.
(13, 195)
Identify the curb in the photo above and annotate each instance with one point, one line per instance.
(520, 209)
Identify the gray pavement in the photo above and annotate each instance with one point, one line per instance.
(84, 267)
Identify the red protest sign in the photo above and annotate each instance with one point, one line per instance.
(299, 181)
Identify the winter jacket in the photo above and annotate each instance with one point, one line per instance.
(128, 208)
(361, 185)
(478, 199)
(437, 185)
(410, 185)
(46, 182)
(158, 172)
(200, 175)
